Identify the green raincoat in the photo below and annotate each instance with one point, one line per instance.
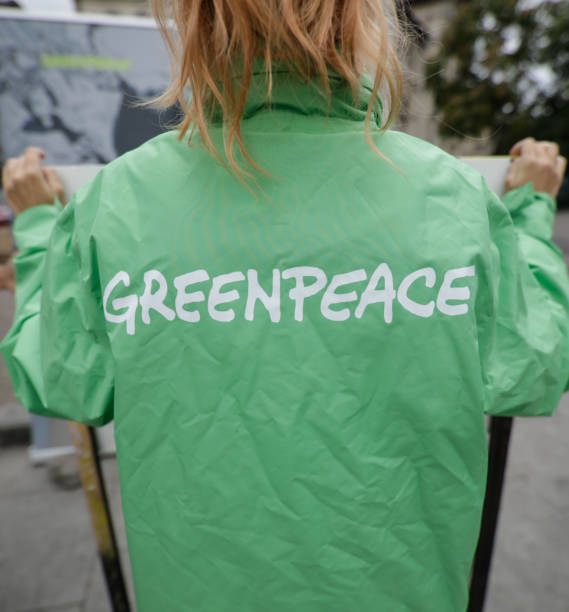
(298, 380)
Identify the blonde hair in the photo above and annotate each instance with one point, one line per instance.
(214, 38)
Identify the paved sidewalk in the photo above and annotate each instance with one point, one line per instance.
(48, 560)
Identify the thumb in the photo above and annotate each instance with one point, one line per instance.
(54, 182)
(517, 148)
(561, 165)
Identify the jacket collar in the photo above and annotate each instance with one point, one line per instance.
(290, 92)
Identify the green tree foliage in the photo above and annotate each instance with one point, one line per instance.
(504, 65)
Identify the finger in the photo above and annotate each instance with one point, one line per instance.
(34, 173)
(552, 146)
(14, 172)
(549, 150)
(561, 165)
(8, 171)
(517, 148)
(35, 151)
(54, 182)
(32, 159)
(532, 149)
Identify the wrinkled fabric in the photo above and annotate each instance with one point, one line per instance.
(298, 378)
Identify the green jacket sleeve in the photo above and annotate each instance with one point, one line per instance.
(57, 351)
(524, 342)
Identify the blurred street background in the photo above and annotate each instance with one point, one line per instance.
(479, 76)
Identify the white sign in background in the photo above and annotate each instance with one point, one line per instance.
(493, 169)
(64, 6)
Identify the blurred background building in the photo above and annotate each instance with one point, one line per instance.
(125, 7)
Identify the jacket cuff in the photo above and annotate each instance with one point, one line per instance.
(522, 197)
(32, 228)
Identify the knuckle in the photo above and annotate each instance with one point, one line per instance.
(548, 149)
(543, 165)
(17, 180)
(27, 175)
(529, 142)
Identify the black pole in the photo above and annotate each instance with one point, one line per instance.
(110, 558)
(500, 432)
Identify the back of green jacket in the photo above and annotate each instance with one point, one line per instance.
(298, 379)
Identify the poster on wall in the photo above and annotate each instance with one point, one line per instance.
(73, 85)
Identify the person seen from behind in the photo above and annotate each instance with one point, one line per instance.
(296, 317)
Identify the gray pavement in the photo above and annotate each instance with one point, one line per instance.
(48, 560)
